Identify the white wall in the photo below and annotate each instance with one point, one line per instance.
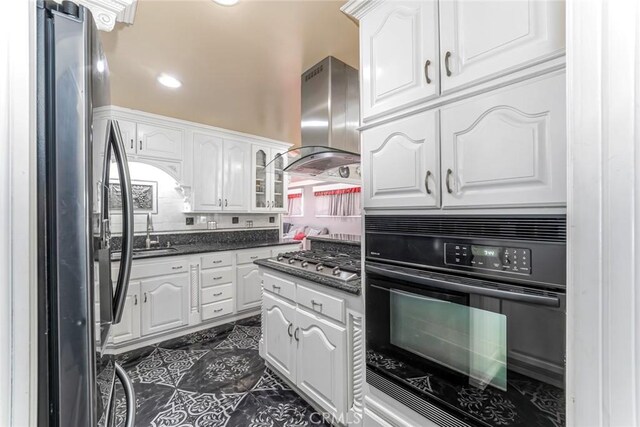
(347, 225)
(170, 216)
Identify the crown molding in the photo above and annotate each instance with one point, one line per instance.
(105, 12)
(129, 13)
(356, 9)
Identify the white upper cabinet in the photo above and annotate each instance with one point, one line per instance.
(165, 303)
(399, 56)
(480, 40)
(236, 175)
(208, 160)
(507, 148)
(160, 141)
(268, 180)
(400, 163)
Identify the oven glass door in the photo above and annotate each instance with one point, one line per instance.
(489, 359)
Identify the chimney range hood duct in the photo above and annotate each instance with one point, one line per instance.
(330, 118)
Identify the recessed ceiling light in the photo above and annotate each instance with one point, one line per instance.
(226, 2)
(169, 81)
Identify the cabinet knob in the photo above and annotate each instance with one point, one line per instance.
(219, 202)
(295, 334)
(145, 297)
(132, 143)
(226, 202)
(426, 182)
(447, 56)
(268, 203)
(289, 330)
(426, 71)
(140, 144)
(135, 300)
(449, 173)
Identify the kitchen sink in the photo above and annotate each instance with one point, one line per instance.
(157, 251)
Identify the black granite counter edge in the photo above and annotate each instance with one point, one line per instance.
(352, 287)
(198, 248)
(333, 240)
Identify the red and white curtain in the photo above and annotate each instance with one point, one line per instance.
(295, 204)
(338, 202)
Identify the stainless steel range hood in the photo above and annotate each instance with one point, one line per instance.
(330, 118)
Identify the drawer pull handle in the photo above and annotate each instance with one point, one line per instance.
(217, 278)
(178, 267)
(289, 330)
(295, 334)
(254, 257)
(218, 310)
(276, 287)
(313, 304)
(446, 63)
(217, 294)
(217, 261)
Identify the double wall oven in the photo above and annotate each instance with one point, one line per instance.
(466, 316)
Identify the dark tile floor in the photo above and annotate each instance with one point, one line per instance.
(211, 378)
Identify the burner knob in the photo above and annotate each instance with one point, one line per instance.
(280, 258)
(319, 267)
(291, 260)
(304, 263)
(336, 271)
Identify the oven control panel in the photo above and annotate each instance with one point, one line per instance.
(515, 260)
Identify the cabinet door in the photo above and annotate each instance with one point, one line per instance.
(506, 149)
(236, 175)
(485, 39)
(278, 183)
(260, 186)
(208, 159)
(165, 303)
(322, 361)
(399, 62)
(279, 345)
(249, 287)
(128, 131)
(160, 141)
(129, 326)
(400, 164)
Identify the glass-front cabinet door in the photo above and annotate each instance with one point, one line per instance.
(279, 182)
(260, 193)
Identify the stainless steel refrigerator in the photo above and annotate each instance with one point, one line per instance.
(78, 303)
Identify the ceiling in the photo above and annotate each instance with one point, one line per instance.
(240, 66)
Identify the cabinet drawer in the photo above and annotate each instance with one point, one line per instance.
(217, 309)
(157, 268)
(216, 276)
(321, 303)
(249, 257)
(217, 293)
(279, 286)
(217, 260)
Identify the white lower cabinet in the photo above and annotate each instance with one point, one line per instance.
(279, 344)
(129, 326)
(322, 365)
(308, 349)
(165, 303)
(249, 287)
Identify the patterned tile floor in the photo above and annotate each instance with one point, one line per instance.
(208, 379)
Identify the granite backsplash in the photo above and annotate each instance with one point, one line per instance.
(202, 237)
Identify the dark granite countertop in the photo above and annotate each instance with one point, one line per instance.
(347, 239)
(203, 247)
(352, 287)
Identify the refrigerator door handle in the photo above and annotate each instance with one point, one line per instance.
(126, 258)
(129, 394)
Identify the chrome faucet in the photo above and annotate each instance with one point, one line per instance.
(150, 242)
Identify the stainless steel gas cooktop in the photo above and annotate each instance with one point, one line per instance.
(334, 264)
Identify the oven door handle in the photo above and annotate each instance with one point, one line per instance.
(460, 287)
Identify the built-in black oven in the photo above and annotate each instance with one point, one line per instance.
(465, 317)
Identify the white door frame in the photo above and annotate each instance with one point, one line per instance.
(603, 309)
(18, 313)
